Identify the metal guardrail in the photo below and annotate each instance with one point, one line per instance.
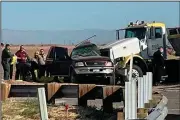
(160, 112)
(144, 97)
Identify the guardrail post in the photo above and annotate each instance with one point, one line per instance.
(42, 104)
(130, 95)
(147, 88)
(144, 88)
(126, 100)
(140, 93)
(150, 80)
(134, 99)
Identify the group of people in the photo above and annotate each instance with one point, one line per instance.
(23, 62)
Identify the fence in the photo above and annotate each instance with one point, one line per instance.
(139, 100)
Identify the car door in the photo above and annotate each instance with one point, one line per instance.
(61, 61)
(156, 40)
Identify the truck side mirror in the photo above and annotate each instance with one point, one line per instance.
(152, 32)
(148, 35)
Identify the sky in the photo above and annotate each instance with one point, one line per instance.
(85, 15)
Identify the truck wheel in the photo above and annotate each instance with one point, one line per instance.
(73, 78)
(136, 72)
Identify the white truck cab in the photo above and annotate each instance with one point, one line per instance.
(140, 38)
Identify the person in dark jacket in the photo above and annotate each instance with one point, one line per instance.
(22, 58)
(158, 65)
(5, 61)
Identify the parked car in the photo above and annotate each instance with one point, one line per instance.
(84, 62)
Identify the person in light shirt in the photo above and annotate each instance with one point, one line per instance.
(42, 67)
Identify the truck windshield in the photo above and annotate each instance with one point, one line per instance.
(84, 51)
(135, 32)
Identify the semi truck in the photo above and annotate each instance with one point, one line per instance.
(141, 39)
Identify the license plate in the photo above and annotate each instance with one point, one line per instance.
(96, 70)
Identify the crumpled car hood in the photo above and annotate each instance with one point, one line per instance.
(91, 58)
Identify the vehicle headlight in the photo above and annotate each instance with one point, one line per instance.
(79, 64)
(108, 64)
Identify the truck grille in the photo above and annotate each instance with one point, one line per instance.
(95, 63)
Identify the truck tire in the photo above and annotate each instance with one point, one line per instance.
(136, 71)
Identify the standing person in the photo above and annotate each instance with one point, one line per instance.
(22, 58)
(2, 45)
(158, 65)
(5, 61)
(35, 65)
(42, 67)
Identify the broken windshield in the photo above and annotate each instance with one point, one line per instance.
(84, 51)
(135, 32)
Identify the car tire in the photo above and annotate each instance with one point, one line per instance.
(136, 71)
(111, 80)
(73, 77)
(107, 81)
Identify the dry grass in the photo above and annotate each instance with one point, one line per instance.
(29, 110)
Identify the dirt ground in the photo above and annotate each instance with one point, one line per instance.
(29, 110)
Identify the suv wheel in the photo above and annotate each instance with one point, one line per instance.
(111, 80)
(73, 78)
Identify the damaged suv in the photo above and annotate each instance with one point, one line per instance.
(85, 63)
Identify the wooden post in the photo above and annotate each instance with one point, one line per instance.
(5, 90)
(142, 113)
(85, 93)
(51, 89)
(120, 116)
(110, 95)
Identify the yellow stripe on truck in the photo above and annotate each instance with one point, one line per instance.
(156, 24)
(127, 59)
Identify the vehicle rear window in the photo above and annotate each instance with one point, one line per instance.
(61, 53)
(51, 54)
